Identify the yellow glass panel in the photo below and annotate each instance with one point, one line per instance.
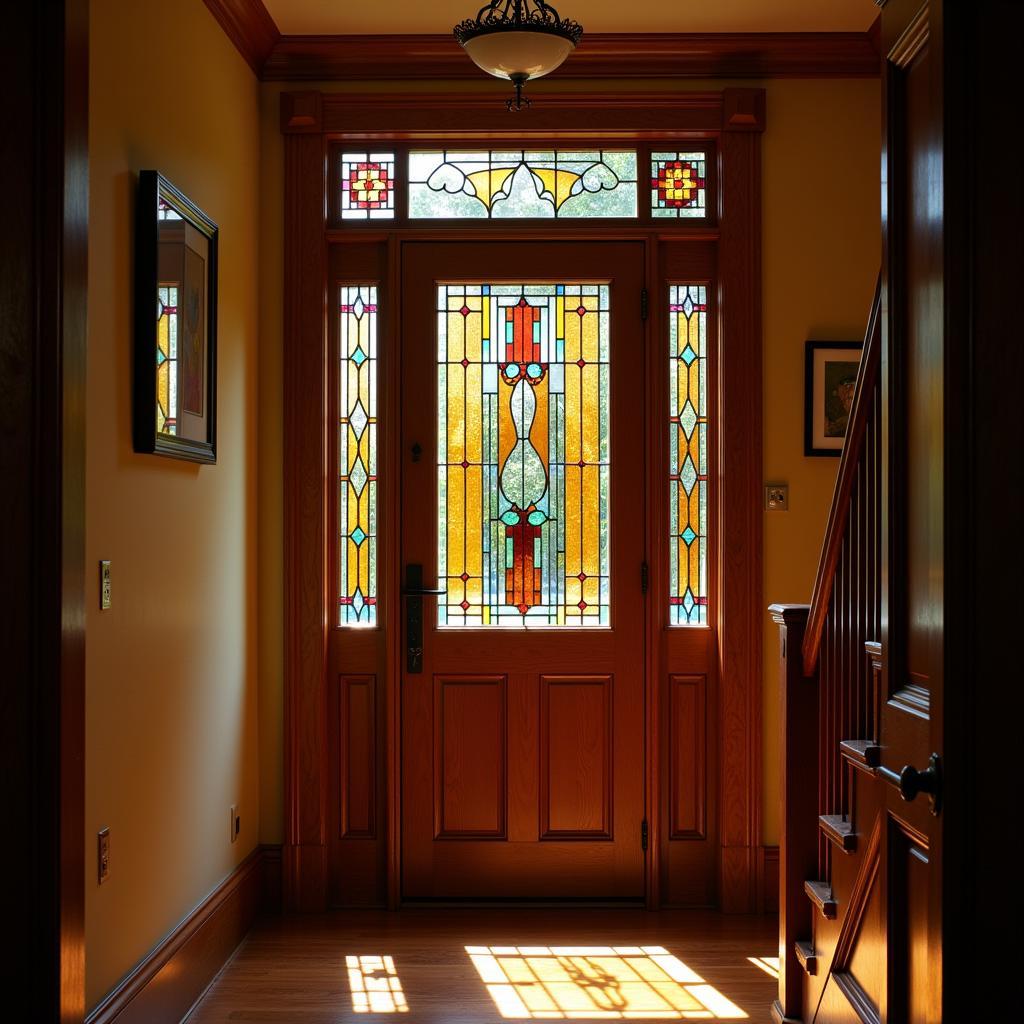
(357, 405)
(456, 521)
(687, 461)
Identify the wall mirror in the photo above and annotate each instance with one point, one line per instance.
(175, 399)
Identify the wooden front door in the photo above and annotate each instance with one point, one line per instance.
(522, 501)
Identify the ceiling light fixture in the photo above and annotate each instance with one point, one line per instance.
(518, 40)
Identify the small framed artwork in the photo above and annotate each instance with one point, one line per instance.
(175, 374)
(829, 386)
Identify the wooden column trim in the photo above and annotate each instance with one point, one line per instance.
(305, 520)
(740, 472)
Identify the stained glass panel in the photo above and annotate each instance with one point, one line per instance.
(523, 454)
(357, 456)
(167, 359)
(688, 455)
(368, 186)
(678, 185)
(522, 183)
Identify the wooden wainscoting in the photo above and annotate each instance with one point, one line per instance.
(168, 982)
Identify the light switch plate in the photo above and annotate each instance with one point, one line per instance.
(102, 855)
(776, 497)
(106, 585)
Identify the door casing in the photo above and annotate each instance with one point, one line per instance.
(312, 122)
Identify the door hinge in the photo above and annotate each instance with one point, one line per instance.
(645, 577)
(643, 303)
(643, 834)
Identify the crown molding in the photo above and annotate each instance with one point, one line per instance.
(248, 24)
(423, 113)
(618, 55)
(279, 58)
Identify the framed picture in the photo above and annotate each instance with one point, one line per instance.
(829, 386)
(175, 374)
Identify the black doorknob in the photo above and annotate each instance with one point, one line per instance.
(910, 782)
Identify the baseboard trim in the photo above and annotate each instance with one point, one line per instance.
(768, 879)
(165, 985)
(779, 1017)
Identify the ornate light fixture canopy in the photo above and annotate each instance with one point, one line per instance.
(518, 40)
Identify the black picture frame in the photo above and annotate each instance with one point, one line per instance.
(821, 438)
(176, 251)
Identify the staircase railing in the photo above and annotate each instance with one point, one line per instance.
(829, 679)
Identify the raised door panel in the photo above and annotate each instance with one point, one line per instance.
(910, 969)
(687, 744)
(357, 728)
(576, 757)
(470, 796)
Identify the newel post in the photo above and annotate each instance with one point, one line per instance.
(798, 850)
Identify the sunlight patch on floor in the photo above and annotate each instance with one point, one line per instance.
(375, 985)
(768, 964)
(597, 983)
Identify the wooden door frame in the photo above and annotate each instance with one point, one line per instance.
(310, 121)
(44, 255)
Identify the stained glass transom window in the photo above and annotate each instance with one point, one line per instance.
(367, 186)
(522, 183)
(688, 455)
(357, 456)
(167, 359)
(523, 454)
(678, 185)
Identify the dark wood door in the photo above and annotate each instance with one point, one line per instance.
(914, 496)
(522, 700)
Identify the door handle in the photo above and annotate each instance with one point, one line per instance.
(910, 781)
(414, 591)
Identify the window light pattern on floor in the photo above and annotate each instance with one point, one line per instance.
(375, 985)
(768, 964)
(597, 983)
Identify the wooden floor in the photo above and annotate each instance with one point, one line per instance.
(521, 963)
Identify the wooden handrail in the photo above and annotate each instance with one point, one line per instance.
(867, 383)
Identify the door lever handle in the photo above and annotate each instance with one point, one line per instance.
(910, 781)
(422, 591)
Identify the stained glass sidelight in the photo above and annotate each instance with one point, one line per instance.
(523, 454)
(678, 185)
(368, 186)
(522, 183)
(357, 456)
(688, 455)
(167, 359)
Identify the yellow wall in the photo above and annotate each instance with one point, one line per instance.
(821, 254)
(171, 669)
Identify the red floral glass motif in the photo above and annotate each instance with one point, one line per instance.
(678, 184)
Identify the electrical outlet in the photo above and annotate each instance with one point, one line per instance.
(236, 823)
(776, 497)
(102, 855)
(106, 585)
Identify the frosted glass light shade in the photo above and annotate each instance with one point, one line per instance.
(507, 54)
